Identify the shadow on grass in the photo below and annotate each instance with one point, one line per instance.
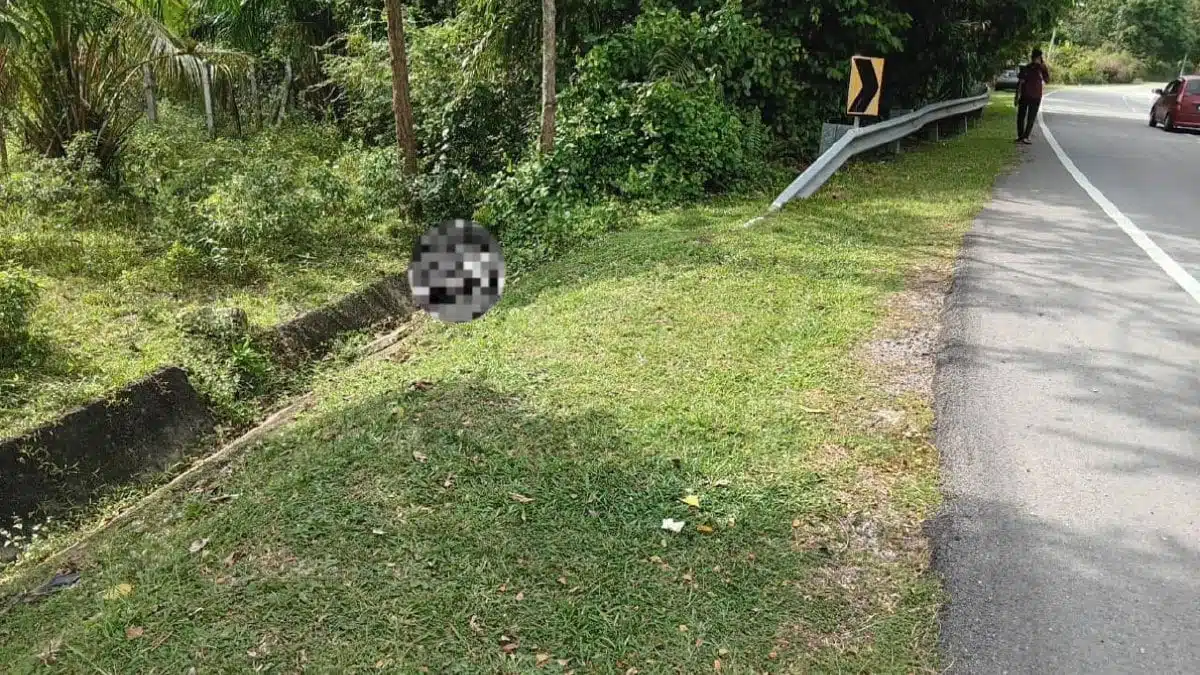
(424, 526)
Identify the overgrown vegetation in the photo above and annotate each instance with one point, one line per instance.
(494, 502)
(18, 295)
(274, 224)
(1119, 42)
(218, 152)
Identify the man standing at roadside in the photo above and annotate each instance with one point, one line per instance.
(1034, 75)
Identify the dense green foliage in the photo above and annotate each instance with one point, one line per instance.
(1117, 41)
(18, 294)
(272, 151)
(1074, 64)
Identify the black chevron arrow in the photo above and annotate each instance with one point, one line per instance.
(870, 87)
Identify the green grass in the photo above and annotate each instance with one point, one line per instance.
(685, 356)
(106, 316)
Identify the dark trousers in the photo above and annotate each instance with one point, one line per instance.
(1027, 112)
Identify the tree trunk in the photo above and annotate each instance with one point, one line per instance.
(148, 86)
(206, 83)
(233, 107)
(549, 67)
(401, 105)
(3, 148)
(285, 92)
(256, 102)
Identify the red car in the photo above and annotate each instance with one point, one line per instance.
(1178, 105)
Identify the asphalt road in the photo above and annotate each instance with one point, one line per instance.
(1068, 406)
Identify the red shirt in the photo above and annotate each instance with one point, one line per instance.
(1033, 77)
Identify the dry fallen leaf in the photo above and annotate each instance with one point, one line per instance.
(632, 671)
(520, 596)
(704, 529)
(683, 628)
(692, 501)
(717, 665)
(476, 624)
(377, 531)
(521, 498)
(198, 545)
(503, 588)
(724, 482)
(563, 662)
(118, 591)
(562, 580)
(773, 655)
(509, 648)
(723, 652)
(542, 659)
(449, 482)
(49, 655)
(230, 559)
(420, 456)
(134, 632)
(688, 577)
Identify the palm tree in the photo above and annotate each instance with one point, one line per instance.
(401, 104)
(255, 27)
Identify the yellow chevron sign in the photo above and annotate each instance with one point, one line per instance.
(866, 86)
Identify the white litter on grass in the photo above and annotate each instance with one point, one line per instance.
(673, 525)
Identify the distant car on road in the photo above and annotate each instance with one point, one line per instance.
(1008, 79)
(1178, 104)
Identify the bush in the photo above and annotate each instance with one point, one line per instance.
(228, 209)
(18, 297)
(469, 123)
(1073, 64)
(272, 209)
(67, 189)
(672, 137)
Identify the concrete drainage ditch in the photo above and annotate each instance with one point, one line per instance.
(147, 425)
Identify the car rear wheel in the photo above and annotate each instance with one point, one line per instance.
(1169, 122)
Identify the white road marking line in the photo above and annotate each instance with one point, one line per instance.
(1180, 276)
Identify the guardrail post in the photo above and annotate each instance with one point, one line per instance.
(966, 124)
(898, 112)
(832, 133)
(931, 131)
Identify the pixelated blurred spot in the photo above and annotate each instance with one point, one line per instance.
(457, 271)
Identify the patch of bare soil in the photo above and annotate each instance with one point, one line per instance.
(903, 349)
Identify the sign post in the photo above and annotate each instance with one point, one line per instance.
(866, 87)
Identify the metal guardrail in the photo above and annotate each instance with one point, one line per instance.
(861, 139)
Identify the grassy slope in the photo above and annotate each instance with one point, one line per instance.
(380, 531)
(106, 319)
